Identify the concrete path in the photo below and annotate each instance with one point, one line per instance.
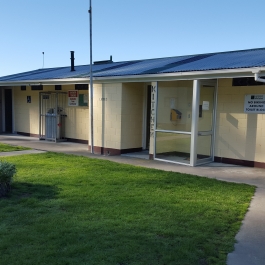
(23, 152)
(250, 248)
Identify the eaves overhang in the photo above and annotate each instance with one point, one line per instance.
(191, 75)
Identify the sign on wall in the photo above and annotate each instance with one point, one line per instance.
(205, 105)
(254, 103)
(153, 110)
(73, 98)
(83, 100)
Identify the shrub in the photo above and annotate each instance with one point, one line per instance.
(7, 171)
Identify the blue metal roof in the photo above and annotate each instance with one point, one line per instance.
(189, 63)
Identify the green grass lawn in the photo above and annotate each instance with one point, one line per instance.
(11, 148)
(74, 210)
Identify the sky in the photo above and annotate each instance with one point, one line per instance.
(125, 29)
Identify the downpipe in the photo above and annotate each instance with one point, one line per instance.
(258, 79)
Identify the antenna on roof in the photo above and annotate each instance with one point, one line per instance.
(42, 59)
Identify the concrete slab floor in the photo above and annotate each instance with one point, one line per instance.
(250, 246)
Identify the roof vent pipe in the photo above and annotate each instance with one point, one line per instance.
(72, 61)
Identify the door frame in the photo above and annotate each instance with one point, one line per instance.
(196, 132)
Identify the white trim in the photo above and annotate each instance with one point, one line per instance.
(211, 132)
(191, 75)
(194, 122)
(176, 132)
(214, 118)
(174, 162)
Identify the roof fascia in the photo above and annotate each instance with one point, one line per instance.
(69, 81)
(210, 74)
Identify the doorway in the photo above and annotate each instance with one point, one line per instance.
(206, 121)
(8, 110)
(52, 116)
(185, 122)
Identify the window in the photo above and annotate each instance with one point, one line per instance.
(38, 87)
(81, 86)
(58, 87)
(23, 88)
(245, 81)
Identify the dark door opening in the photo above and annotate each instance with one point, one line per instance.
(148, 113)
(8, 111)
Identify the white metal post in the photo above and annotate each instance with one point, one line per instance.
(91, 129)
(214, 118)
(154, 93)
(194, 122)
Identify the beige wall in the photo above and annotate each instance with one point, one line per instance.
(77, 120)
(107, 115)
(238, 135)
(118, 116)
(132, 115)
(118, 112)
(27, 114)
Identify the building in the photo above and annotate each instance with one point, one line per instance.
(187, 109)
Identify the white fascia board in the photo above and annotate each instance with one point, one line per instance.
(193, 75)
(210, 74)
(67, 81)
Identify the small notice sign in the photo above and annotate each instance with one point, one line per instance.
(254, 103)
(205, 105)
(73, 98)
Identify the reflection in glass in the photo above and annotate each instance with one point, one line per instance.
(206, 104)
(173, 147)
(174, 106)
(204, 146)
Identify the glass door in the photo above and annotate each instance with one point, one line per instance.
(185, 122)
(173, 122)
(205, 140)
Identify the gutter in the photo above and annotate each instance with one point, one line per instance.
(192, 75)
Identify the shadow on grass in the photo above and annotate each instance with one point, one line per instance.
(20, 190)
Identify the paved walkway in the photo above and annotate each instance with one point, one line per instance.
(24, 152)
(250, 248)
